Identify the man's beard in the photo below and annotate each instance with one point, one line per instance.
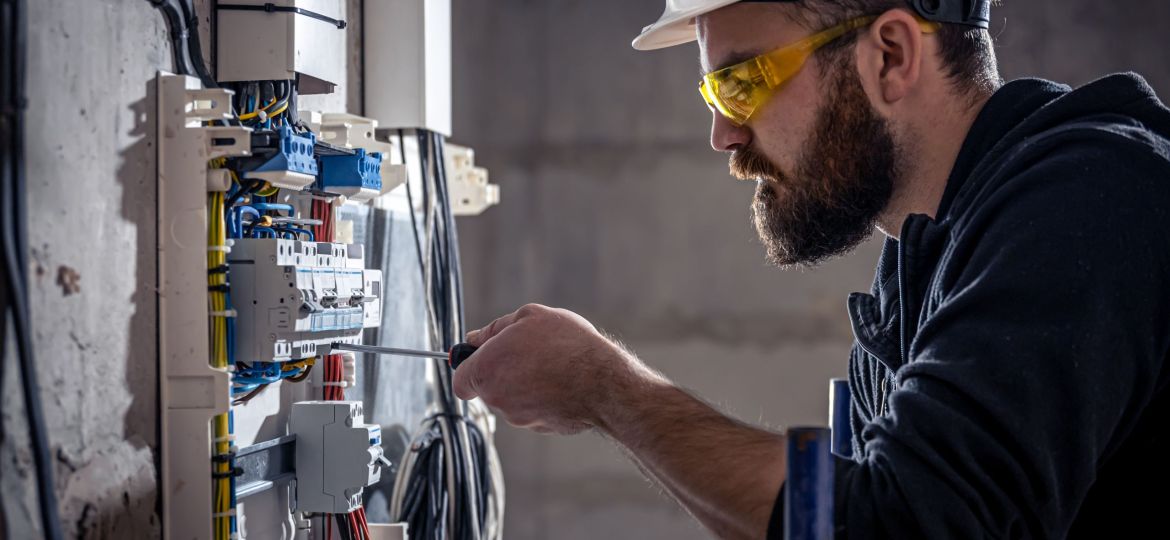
(844, 177)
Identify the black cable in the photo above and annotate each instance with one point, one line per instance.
(245, 189)
(12, 209)
(183, 24)
(174, 18)
(476, 441)
(413, 221)
(194, 51)
(465, 475)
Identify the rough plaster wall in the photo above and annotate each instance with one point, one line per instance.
(615, 206)
(91, 172)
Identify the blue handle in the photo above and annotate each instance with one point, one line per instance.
(808, 492)
(839, 418)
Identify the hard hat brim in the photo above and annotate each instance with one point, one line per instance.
(674, 28)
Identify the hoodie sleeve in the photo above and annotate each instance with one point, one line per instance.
(1046, 344)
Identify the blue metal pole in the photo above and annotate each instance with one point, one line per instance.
(839, 418)
(808, 495)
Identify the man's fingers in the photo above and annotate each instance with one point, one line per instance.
(479, 337)
(465, 380)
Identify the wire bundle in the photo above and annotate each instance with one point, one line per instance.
(445, 487)
(266, 104)
(248, 380)
(222, 348)
(351, 526)
(322, 210)
(183, 22)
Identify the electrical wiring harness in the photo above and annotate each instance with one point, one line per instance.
(449, 485)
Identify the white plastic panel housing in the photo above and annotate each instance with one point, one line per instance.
(467, 184)
(294, 297)
(261, 46)
(337, 455)
(408, 82)
(190, 391)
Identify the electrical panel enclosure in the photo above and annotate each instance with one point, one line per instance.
(408, 83)
(278, 43)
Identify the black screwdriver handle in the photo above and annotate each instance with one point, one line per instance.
(459, 353)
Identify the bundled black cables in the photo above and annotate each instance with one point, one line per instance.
(13, 58)
(443, 486)
(183, 23)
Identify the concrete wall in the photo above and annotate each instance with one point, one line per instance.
(615, 206)
(91, 180)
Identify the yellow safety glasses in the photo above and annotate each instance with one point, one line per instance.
(738, 91)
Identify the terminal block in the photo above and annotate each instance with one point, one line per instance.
(337, 455)
(281, 157)
(358, 175)
(294, 298)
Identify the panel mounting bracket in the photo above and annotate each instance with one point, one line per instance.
(190, 391)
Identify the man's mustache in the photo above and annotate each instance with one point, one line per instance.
(748, 164)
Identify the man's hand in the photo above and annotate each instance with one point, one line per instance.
(551, 371)
(544, 369)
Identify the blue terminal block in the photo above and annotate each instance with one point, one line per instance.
(293, 165)
(357, 176)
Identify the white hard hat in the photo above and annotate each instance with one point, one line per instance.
(677, 24)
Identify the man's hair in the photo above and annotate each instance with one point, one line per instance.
(967, 52)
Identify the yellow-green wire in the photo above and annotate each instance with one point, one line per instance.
(221, 498)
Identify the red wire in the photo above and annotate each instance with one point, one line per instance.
(365, 525)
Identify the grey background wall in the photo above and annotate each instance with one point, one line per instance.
(613, 206)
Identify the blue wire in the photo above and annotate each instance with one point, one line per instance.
(265, 206)
(236, 223)
(296, 230)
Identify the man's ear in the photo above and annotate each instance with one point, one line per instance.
(890, 57)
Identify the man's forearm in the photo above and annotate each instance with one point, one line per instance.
(726, 473)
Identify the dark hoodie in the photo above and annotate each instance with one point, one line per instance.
(1009, 372)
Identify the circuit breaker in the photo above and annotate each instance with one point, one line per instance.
(338, 455)
(294, 298)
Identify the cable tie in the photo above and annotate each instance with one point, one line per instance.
(228, 438)
(221, 269)
(229, 513)
(342, 384)
(219, 288)
(224, 249)
(235, 472)
(228, 313)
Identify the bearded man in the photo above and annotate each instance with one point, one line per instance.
(1009, 373)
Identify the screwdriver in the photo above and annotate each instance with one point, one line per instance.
(458, 354)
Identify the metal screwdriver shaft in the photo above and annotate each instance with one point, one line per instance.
(389, 350)
(458, 354)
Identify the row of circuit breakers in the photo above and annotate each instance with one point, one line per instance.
(300, 297)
